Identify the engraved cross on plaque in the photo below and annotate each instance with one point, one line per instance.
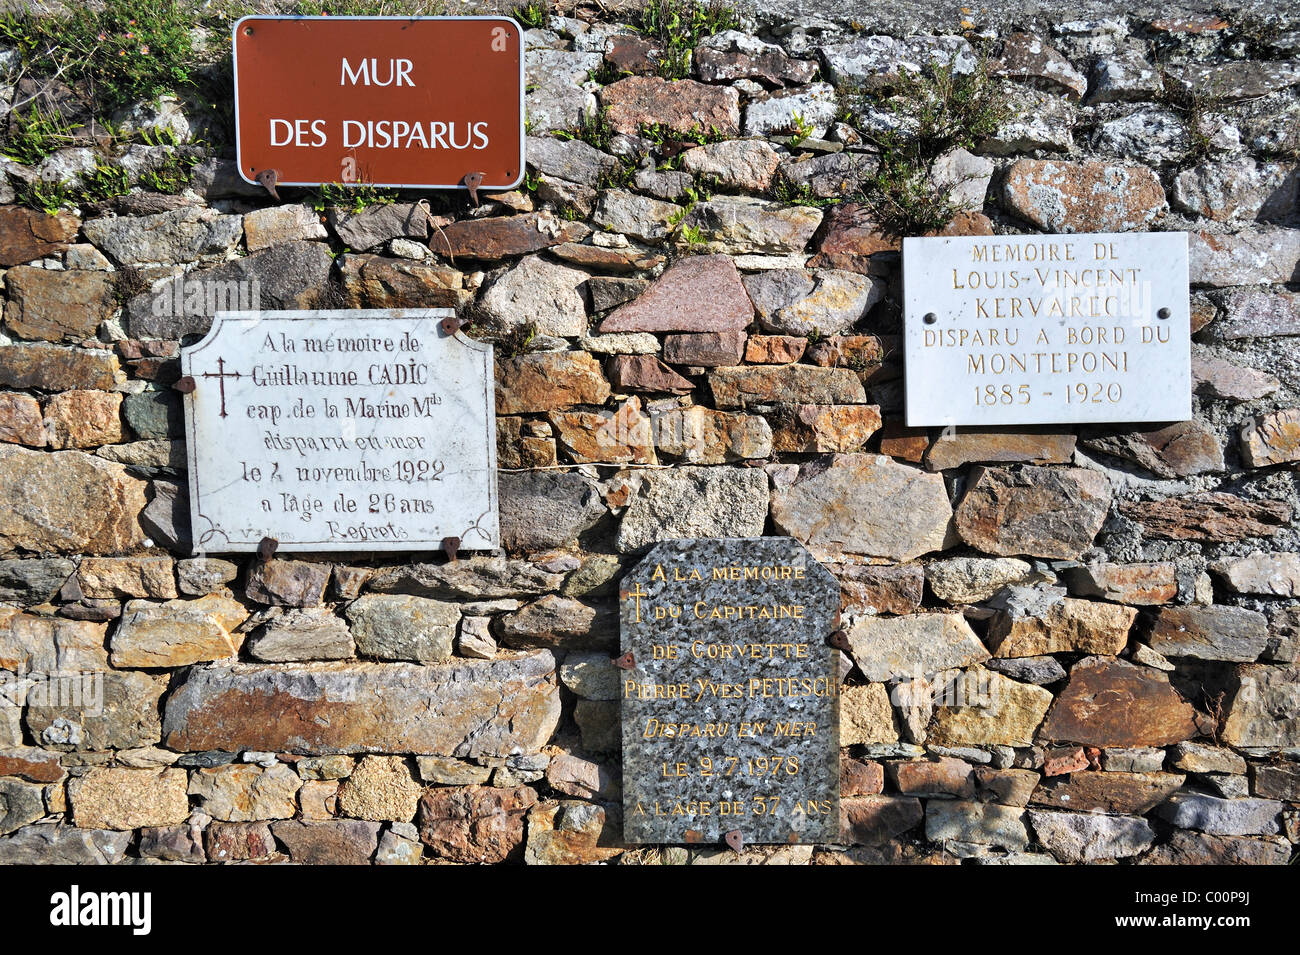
(636, 595)
(221, 375)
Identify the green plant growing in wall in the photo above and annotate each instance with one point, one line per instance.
(925, 115)
(35, 133)
(49, 197)
(593, 129)
(677, 27)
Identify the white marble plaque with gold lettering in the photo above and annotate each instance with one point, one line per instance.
(349, 430)
(1047, 329)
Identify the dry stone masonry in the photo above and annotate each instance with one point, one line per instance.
(1057, 644)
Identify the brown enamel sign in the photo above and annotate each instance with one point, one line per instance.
(386, 101)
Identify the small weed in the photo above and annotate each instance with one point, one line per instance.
(518, 339)
(790, 194)
(593, 129)
(815, 336)
(108, 181)
(350, 197)
(692, 235)
(172, 175)
(800, 130)
(35, 134)
(659, 135)
(930, 113)
(606, 73)
(533, 16)
(49, 197)
(679, 25)
(1192, 105)
(620, 176)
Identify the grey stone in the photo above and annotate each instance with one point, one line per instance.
(1036, 670)
(570, 159)
(475, 640)
(293, 275)
(1257, 313)
(447, 709)
(864, 504)
(1133, 759)
(1035, 121)
(707, 583)
(1124, 77)
(119, 710)
(375, 225)
(1209, 633)
(745, 164)
(545, 509)
(451, 772)
(961, 580)
(591, 676)
(473, 578)
(815, 105)
(828, 175)
(556, 106)
(1265, 710)
(1200, 758)
(560, 623)
(20, 804)
(874, 61)
(302, 634)
(58, 844)
(1235, 80)
(954, 820)
(1253, 256)
(539, 293)
(1194, 848)
(911, 646)
(197, 576)
(1276, 575)
(798, 301)
(166, 518)
(740, 225)
(694, 502)
(155, 414)
(391, 627)
(171, 238)
(1221, 817)
(640, 217)
(1151, 134)
(964, 178)
(1236, 189)
(34, 580)
(1088, 837)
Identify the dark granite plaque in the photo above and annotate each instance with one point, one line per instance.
(730, 704)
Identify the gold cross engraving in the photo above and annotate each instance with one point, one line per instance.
(636, 595)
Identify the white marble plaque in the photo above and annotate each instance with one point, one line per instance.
(340, 430)
(1047, 329)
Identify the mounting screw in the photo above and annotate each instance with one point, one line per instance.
(266, 549)
(185, 385)
(1163, 313)
(451, 545)
(930, 318)
(736, 840)
(626, 662)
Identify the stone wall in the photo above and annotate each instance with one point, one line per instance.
(697, 323)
